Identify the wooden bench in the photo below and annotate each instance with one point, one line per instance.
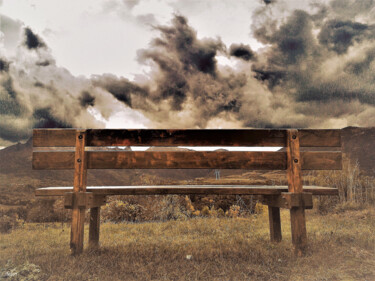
(72, 149)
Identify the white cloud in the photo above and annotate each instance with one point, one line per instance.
(100, 36)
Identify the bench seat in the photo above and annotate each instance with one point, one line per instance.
(90, 149)
(186, 189)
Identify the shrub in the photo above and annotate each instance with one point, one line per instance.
(8, 222)
(117, 211)
(260, 208)
(172, 207)
(63, 215)
(351, 183)
(42, 211)
(234, 211)
(205, 211)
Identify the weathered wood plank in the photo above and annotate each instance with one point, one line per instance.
(186, 189)
(186, 160)
(80, 176)
(83, 200)
(290, 200)
(54, 137)
(275, 224)
(316, 138)
(94, 230)
(314, 160)
(53, 160)
(207, 137)
(294, 175)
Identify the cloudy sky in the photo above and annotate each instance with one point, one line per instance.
(185, 64)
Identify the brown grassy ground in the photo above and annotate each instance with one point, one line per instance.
(341, 247)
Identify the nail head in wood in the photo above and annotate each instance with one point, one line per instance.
(294, 137)
(295, 160)
(80, 137)
(79, 160)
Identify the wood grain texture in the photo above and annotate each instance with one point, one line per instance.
(80, 175)
(94, 230)
(316, 138)
(54, 137)
(77, 231)
(207, 137)
(290, 200)
(85, 200)
(315, 160)
(294, 175)
(299, 232)
(80, 163)
(186, 189)
(275, 224)
(186, 159)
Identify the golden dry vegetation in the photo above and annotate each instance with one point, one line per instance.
(341, 247)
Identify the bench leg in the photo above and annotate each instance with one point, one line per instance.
(275, 223)
(77, 229)
(94, 227)
(299, 235)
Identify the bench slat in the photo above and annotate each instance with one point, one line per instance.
(209, 137)
(186, 189)
(54, 137)
(186, 160)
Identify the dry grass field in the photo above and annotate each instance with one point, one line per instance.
(186, 238)
(341, 247)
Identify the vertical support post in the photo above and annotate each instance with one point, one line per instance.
(297, 214)
(275, 224)
(94, 227)
(80, 176)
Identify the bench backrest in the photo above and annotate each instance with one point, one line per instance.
(57, 149)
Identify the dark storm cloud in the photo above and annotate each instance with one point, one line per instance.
(271, 77)
(306, 61)
(179, 54)
(339, 35)
(348, 9)
(362, 65)
(181, 40)
(86, 99)
(294, 39)
(121, 88)
(8, 86)
(43, 63)
(34, 92)
(291, 45)
(185, 76)
(9, 104)
(316, 69)
(267, 2)
(241, 51)
(46, 119)
(4, 65)
(33, 41)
